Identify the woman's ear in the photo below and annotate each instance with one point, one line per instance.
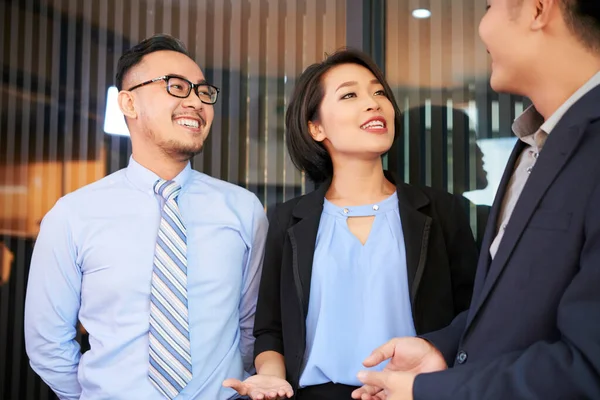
(316, 131)
(126, 104)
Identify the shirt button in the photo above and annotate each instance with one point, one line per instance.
(461, 357)
(536, 155)
(529, 169)
(375, 207)
(346, 211)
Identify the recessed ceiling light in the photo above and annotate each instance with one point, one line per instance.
(421, 13)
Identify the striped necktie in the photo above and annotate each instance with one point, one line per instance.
(170, 357)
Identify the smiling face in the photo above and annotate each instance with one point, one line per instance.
(159, 121)
(505, 31)
(356, 118)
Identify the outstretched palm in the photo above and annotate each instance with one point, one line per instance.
(259, 387)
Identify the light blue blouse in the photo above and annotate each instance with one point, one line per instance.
(359, 296)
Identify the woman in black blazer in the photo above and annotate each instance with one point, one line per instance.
(363, 258)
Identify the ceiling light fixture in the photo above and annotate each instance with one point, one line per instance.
(421, 13)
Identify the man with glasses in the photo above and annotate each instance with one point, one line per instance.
(160, 263)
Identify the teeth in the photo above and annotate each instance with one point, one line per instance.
(373, 124)
(188, 122)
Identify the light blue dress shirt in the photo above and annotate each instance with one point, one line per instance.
(93, 262)
(359, 297)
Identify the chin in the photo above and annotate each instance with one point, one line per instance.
(184, 152)
(190, 152)
(376, 151)
(497, 84)
(503, 84)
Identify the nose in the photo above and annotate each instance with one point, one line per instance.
(193, 101)
(373, 104)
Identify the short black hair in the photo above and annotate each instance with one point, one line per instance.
(308, 155)
(134, 55)
(583, 19)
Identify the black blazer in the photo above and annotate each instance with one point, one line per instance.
(533, 330)
(440, 254)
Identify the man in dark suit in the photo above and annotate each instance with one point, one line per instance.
(533, 329)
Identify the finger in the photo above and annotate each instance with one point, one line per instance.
(356, 394)
(236, 385)
(372, 393)
(368, 389)
(373, 378)
(365, 392)
(256, 395)
(381, 354)
(366, 396)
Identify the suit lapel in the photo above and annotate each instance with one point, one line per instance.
(415, 227)
(558, 149)
(303, 237)
(490, 229)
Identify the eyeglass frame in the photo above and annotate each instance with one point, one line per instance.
(192, 86)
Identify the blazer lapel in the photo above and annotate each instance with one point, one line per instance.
(490, 229)
(558, 149)
(415, 226)
(303, 237)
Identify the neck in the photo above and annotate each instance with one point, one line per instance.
(162, 165)
(568, 72)
(358, 182)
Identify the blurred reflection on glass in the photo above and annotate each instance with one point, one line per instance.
(444, 152)
(495, 153)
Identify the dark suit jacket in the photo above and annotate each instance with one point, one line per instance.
(533, 329)
(440, 253)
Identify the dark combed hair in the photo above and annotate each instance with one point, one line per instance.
(307, 154)
(134, 55)
(583, 19)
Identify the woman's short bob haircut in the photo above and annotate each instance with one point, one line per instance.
(307, 154)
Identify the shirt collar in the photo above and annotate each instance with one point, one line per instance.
(527, 123)
(144, 179)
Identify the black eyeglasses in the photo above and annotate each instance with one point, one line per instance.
(181, 87)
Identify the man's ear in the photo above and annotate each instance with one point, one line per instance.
(316, 131)
(544, 10)
(126, 104)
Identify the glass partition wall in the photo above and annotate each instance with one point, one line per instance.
(60, 128)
